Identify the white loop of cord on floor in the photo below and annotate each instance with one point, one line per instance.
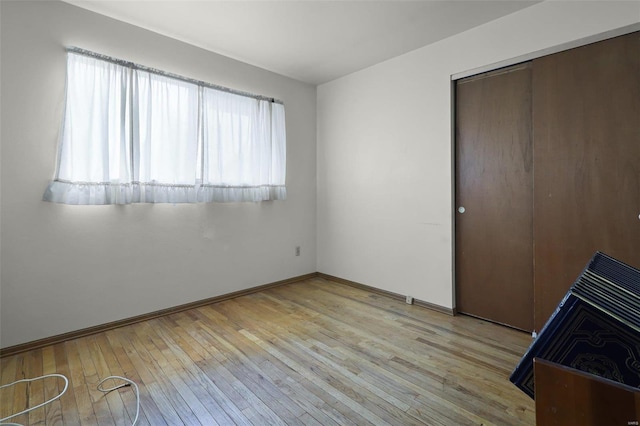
(128, 383)
(66, 386)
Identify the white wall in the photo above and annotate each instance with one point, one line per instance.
(69, 267)
(385, 171)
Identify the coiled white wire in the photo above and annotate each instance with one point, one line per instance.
(128, 383)
(66, 386)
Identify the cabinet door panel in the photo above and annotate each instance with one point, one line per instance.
(586, 121)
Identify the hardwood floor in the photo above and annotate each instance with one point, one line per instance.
(309, 353)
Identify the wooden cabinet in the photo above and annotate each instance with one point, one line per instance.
(575, 173)
(565, 396)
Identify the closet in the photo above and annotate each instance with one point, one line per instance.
(547, 172)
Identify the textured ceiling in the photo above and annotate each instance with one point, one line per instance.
(311, 41)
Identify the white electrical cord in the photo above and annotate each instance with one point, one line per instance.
(128, 383)
(66, 386)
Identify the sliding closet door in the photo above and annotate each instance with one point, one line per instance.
(586, 120)
(494, 277)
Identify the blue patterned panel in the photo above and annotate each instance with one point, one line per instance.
(594, 329)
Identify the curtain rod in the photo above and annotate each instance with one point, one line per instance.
(133, 65)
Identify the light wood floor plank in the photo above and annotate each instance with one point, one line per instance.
(78, 385)
(121, 401)
(89, 359)
(149, 411)
(310, 353)
(68, 405)
(256, 409)
(376, 395)
(195, 378)
(192, 355)
(7, 375)
(174, 372)
(53, 411)
(21, 390)
(169, 400)
(35, 394)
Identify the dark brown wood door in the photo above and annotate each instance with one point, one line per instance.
(586, 109)
(494, 237)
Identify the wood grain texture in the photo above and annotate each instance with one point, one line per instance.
(565, 396)
(494, 183)
(311, 353)
(11, 350)
(586, 109)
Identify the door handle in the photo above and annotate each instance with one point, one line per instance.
(461, 209)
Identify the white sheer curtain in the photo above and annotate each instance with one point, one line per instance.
(131, 136)
(166, 139)
(241, 151)
(94, 154)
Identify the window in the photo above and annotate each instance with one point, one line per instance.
(133, 135)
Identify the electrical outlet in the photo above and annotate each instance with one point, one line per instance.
(409, 300)
(297, 250)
